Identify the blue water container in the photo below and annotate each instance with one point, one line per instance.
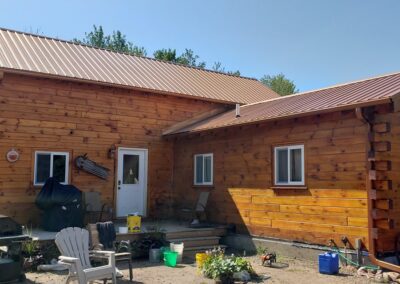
(329, 263)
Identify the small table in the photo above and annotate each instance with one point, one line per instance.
(125, 257)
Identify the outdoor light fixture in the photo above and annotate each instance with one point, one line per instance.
(111, 152)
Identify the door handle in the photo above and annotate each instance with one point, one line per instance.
(119, 183)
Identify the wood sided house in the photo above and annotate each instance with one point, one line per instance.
(310, 167)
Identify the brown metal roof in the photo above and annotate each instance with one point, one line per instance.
(23, 52)
(366, 92)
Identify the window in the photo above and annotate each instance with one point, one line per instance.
(289, 165)
(51, 164)
(203, 169)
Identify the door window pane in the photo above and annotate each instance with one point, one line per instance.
(295, 165)
(59, 164)
(207, 169)
(130, 169)
(199, 169)
(282, 165)
(42, 167)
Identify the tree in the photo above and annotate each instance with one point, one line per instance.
(219, 68)
(116, 42)
(187, 58)
(280, 84)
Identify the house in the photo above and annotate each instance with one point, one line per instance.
(310, 167)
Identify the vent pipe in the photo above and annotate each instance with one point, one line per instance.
(237, 110)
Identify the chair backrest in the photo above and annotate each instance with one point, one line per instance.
(202, 201)
(74, 242)
(94, 240)
(92, 201)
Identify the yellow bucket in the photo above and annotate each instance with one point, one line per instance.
(134, 223)
(200, 259)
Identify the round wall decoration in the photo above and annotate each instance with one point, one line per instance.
(12, 156)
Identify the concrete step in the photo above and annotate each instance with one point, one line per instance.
(197, 242)
(196, 233)
(191, 252)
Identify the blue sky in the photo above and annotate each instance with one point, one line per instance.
(315, 43)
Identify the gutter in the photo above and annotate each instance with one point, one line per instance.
(360, 114)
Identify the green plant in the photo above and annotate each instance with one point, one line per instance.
(261, 250)
(219, 266)
(30, 248)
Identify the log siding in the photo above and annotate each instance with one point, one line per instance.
(54, 115)
(333, 202)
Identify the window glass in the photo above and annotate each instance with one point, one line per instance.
(59, 164)
(207, 169)
(131, 169)
(51, 164)
(199, 169)
(282, 165)
(42, 167)
(295, 165)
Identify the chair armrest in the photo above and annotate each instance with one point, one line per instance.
(68, 259)
(102, 252)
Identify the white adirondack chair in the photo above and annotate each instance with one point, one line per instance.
(73, 244)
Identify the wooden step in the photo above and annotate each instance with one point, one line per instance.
(191, 252)
(197, 233)
(197, 242)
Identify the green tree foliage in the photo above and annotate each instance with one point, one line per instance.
(187, 58)
(280, 84)
(116, 42)
(219, 68)
(165, 54)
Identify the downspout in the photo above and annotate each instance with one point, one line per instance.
(370, 192)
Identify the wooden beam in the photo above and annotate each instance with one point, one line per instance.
(396, 102)
(380, 214)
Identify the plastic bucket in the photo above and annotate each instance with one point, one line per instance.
(154, 255)
(162, 250)
(170, 258)
(177, 247)
(200, 259)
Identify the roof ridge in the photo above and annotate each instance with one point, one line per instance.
(325, 88)
(125, 53)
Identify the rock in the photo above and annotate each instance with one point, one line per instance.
(385, 277)
(362, 271)
(393, 275)
(379, 278)
(242, 276)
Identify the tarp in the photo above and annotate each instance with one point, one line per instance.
(62, 206)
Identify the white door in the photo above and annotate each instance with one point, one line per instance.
(131, 181)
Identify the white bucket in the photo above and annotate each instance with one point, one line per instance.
(177, 247)
(123, 230)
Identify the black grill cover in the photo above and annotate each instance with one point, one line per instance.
(62, 206)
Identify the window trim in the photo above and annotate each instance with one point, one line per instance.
(52, 153)
(211, 182)
(289, 182)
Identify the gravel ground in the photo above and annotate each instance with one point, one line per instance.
(290, 271)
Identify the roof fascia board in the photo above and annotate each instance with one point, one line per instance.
(341, 108)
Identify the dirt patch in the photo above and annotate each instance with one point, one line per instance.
(290, 271)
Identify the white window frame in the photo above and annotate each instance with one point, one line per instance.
(52, 153)
(212, 169)
(289, 148)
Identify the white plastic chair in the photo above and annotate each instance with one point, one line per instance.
(73, 244)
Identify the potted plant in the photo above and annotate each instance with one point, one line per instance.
(223, 269)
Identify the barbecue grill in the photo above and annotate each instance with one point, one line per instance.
(11, 260)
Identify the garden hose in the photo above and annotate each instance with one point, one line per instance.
(367, 267)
